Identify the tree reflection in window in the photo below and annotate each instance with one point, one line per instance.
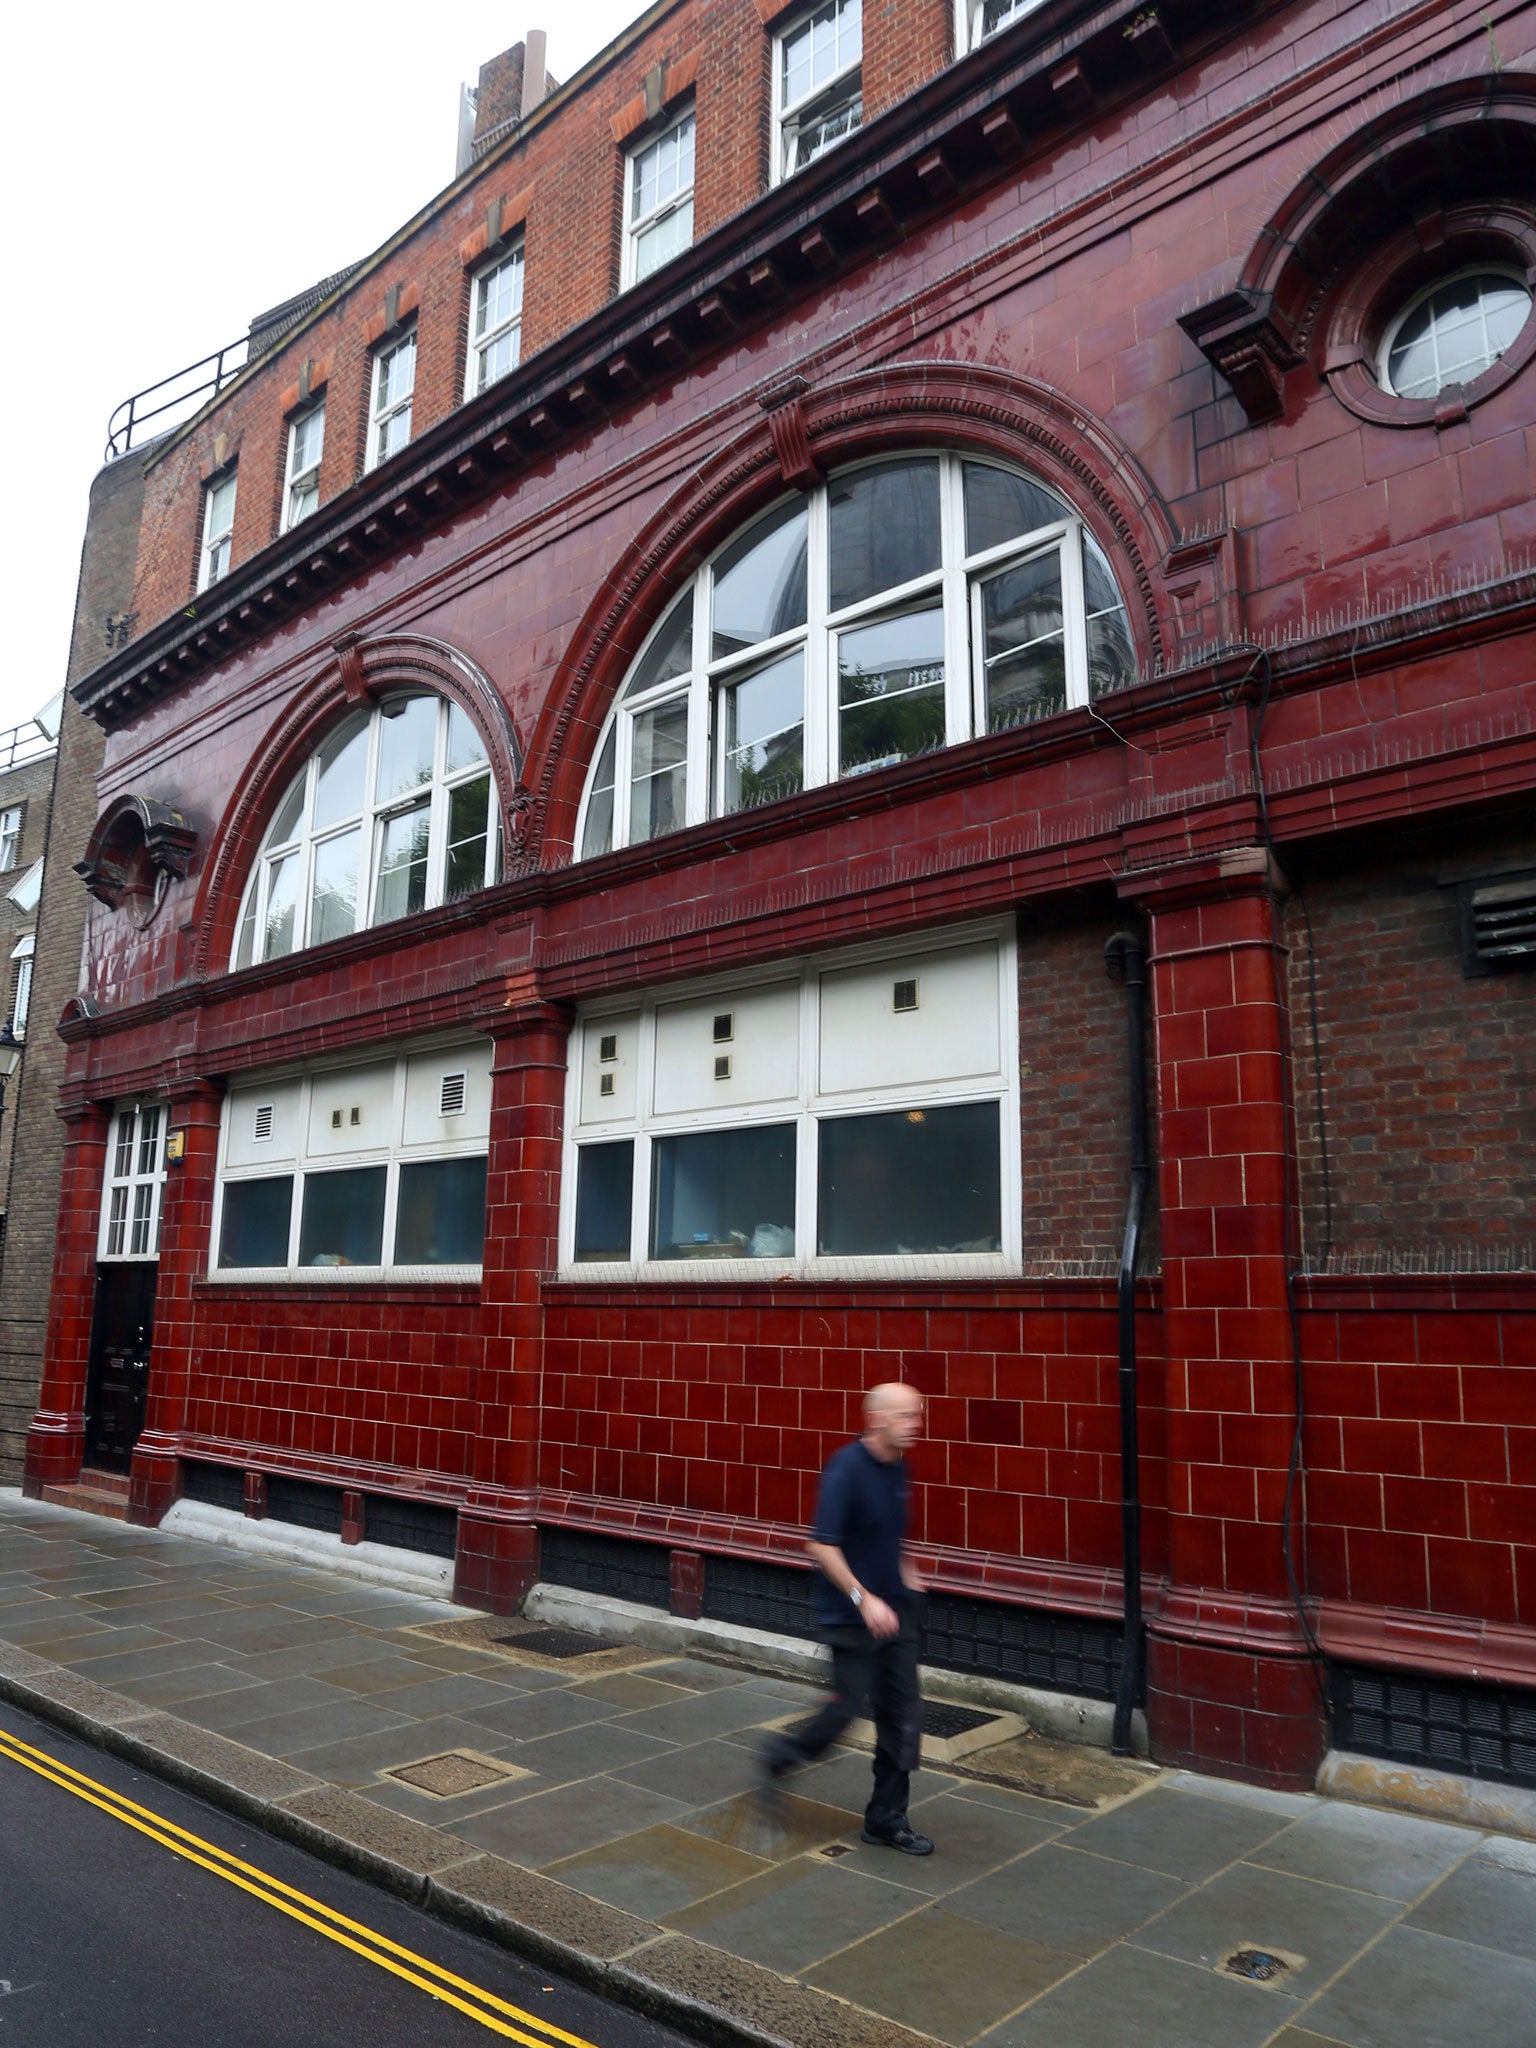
(903, 606)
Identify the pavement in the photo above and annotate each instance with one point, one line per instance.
(597, 1812)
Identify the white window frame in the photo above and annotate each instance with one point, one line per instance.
(959, 580)
(303, 477)
(789, 115)
(21, 1002)
(969, 15)
(1506, 271)
(511, 328)
(392, 1153)
(218, 529)
(806, 1111)
(371, 820)
(27, 893)
(133, 1187)
(637, 226)
(385, 408)
(10, 836)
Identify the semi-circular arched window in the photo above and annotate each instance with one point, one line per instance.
(902, 606)
(394, 813)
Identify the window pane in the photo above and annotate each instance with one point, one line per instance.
(604, 1192)
(659, 772)
(890, 681)
(915, 1180)
(441, 1218)
(333, 904)
(659, 244)
(1000, 506)
(465, 746)
(670, 653)
(143, 1216)
(598, 835)
(407, 740)
(469, 817)
(282, 903)
(724, 1194)
(286, 824)
(1024, 650)
(760, 582)
(122, 1158)
(343, 764)
(815, 131)
(149, 1140)
(256, 1219)
(403, 844)
(885, 529)
(116, 1223)
(343, 1218)
(762, 733)
(1111, 652)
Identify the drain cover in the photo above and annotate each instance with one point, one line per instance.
(945, 1721)
(455, 1771)
(556, 1642)
(1258, 1965)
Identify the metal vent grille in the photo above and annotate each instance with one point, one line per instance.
(262, 1133)
(305, 1504)
(616, 1565)
(768, 1596)
(216, 1486)
(451, 1096)
(1484, 1731)
(420, 1525)
(1498, 924)
(1062, 1652)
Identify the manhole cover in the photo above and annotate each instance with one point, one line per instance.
(835, 1849)
(945, 1721)
(455, 1771)
(1258, 1965)
(556, 1642)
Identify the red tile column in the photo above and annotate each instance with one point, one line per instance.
(1229, 1683)
(56, 1434)
(497, 1558)
(186, 1228)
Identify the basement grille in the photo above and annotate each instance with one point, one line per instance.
(1498, 923)
(451, 1099)
(616, 1565)
(1484, 1731)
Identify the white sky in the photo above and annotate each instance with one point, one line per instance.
(174, 168)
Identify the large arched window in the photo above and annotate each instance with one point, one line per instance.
(904, 605)
(393, 814)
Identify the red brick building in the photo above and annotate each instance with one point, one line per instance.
(650, 697)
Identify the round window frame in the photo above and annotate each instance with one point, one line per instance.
(1507, 273)
(1385, 290)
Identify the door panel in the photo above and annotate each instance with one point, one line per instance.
(117, 1382)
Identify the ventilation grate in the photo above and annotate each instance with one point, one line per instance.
(1483, 1731)
(1498, 924)
(754, 1595)
(451, 1096)
(1061, 1652)
(216, 1486)
(262, 1134)
(420, 1525)
(305, 1504)
(616, 1565)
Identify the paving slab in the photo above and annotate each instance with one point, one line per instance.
(1486, 1903)
(483, 1891)
(1252, 1907)
(553, 1825)
(1127, 1999)
(1179, 1833)
(657, 1870)
(792, 1827)
(586, 1752)
(1420, 1990)
(739, 1990)
(264, 1701)
(437, 1693)
(701, 1774)
(625, 1689)
(1067, 1900)
(356, 1760)
(531, 1715)
(793, 1915)
(969, 1840)
(706, 1714)
(1391, 1854)
(951, 1978)
(186, 1682)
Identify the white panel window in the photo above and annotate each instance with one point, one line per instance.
(978, 21)
(395, 813)
(10, 836)
(356, 1177)
(394, 390)
(658, 200)
(306, 445)
(21, 997)
(743, 1145)
(495, 322)
(27, 893)
(905, 605)
(135, 1182)
(218, 530)
(818, 83)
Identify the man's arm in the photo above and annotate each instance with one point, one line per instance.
(880, 1619)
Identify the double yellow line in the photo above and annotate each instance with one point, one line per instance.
(491, 2012)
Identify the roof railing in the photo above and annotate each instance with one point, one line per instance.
(30, 741)
(182, 392)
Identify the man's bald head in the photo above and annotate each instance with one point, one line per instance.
(893, 1418)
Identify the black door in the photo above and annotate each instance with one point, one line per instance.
(117, 1381)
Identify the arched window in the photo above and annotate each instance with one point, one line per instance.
(393, 814)
(904, 605)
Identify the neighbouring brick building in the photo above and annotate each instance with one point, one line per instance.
(652, 695)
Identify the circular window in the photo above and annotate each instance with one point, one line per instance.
(1452, 331)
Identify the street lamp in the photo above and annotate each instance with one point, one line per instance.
(10, 1060)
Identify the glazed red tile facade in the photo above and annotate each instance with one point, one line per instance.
(1157, 264)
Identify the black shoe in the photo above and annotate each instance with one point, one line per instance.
(903, 1837)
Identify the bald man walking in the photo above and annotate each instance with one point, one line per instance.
(864, 1603)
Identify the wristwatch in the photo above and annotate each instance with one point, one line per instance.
(856, 1595)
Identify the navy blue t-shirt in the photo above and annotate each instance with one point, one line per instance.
(862, 1509)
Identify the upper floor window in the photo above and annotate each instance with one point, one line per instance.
(658, 205)
(21, 992)
(394, 389)
(135, 1183)
(306, 445)
(1452, 331)
(903, 606)
(10, 836)
(495, 323)
(395, 813)
(818, 83)
(980, 19)
(218, 530)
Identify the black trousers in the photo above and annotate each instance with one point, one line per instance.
(876, 1681)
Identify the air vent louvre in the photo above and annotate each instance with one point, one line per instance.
(451, 1099)
(1498, 924)
(262, 1133)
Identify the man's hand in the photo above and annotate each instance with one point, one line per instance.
(881, 1621)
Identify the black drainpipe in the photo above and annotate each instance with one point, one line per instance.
(1125, 960)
